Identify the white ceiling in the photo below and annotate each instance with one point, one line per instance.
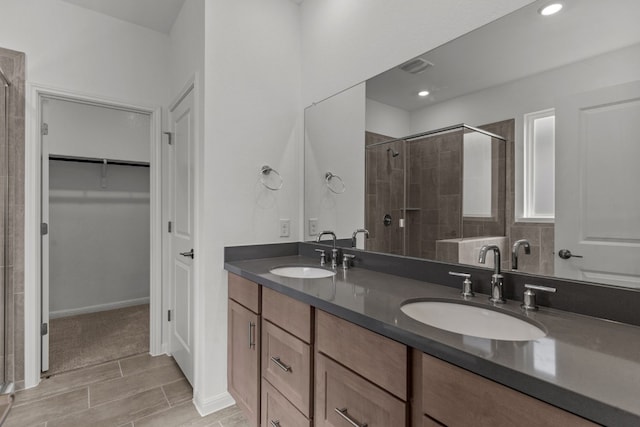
(521, 44)
(157, 15)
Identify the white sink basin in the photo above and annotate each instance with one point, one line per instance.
(302, 272)
(472, 320)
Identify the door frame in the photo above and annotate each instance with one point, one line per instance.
(32, 242)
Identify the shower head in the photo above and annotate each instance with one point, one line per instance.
(394, 153)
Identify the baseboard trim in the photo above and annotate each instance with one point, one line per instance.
(206, 406)
(99, 307)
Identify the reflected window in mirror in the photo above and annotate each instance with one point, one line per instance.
(538, 167)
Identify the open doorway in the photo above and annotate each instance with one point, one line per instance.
(96, 216)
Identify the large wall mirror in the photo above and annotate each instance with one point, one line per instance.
(523, 130)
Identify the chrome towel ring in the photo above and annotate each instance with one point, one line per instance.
(265, 171)
(338, 187)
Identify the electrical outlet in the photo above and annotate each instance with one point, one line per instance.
(284, 227)
(313, 226)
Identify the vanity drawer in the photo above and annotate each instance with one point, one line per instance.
(342, 395)
(290, 314)
(286, 364)
(278, 411)
(455, 396)
(377, 358)
(244, 292)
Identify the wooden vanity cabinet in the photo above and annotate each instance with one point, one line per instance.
(243, 347)
(287, 360)
(360, 376)
(452, 396)
(292, 365)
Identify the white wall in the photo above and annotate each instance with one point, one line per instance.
(345, 42)
(186, 46)
(72, 48)
(339, 149)
(253, 115)
(387, 120)
(90, 131)
(99, 237)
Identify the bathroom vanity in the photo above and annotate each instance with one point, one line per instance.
(339, 351)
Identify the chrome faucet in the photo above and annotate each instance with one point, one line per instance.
(514, 251)
(354, 242)
(334, 250)
(497, 278)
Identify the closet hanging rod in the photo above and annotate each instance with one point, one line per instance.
(98, 161)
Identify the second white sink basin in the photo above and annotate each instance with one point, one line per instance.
(302, 272)
(472, 320)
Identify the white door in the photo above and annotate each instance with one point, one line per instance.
(597, 177)
(181, 206)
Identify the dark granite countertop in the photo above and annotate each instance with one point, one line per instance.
(585, 365)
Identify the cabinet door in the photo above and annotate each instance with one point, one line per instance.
(378, 359)
(344, 399)
(289, 314)
(455, 396)
(286, 364)
(278, 411)
(243, 358)
(244, 292)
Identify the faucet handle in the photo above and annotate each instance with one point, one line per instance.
(346, 260)
(323, 256)
(467, 287)
(529, 300)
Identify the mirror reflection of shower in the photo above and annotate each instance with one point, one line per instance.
(440, 198)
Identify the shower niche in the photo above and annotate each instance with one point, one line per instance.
(438, 194)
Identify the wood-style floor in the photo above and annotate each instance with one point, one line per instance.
(135, 391)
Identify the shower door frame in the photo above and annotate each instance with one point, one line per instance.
(33, 258)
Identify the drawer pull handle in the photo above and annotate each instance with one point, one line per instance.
(275, 423)
(344, 414)
(280, 365)
(252, 329)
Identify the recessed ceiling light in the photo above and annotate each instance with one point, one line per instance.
(423, 93)
(550, 9)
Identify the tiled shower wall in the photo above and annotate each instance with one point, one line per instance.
(12, 64)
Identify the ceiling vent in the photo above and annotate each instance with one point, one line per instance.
(416, 66)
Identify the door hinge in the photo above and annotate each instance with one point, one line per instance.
(44, 129)
(44, 228)
(169, 315)
(169, 226)
(169, 137)
(44, 329)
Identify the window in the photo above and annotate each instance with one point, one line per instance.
(539, 166)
